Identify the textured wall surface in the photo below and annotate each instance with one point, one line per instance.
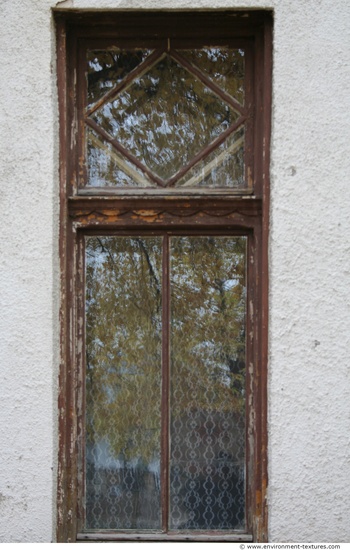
(309, 366)
(28, 272)
(309, 380)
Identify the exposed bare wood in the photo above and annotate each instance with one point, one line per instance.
(185, 211)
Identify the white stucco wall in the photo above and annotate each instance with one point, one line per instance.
(309, 381)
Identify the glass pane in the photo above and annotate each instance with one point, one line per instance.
(223, 65)
(207, 454)
(107, 167)
(166, 117)
(106, 68)
(123, 382)
(222, 168)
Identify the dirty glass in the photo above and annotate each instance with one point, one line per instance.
(109, 168)
(225, 66)
(223, 168)
(207, 395)
(207, 382)
(165, 117)
(123, 382)
(108, 67)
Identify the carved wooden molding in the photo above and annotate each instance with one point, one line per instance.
(86, 211)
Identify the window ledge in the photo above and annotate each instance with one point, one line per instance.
(191, 537)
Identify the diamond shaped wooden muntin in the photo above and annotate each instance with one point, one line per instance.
(165, 117)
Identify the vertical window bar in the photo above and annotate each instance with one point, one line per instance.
(165, 385)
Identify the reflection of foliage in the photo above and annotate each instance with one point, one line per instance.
(208, 322)
(108, 67)
(165, 117)
(123, 344)
(223, 65)
(110, 168)
(123, 335)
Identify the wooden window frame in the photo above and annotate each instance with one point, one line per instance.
(114, 212)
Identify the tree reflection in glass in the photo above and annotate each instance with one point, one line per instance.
(207, 402)
(107, 68)
(166, 117)
(225, 66)
(123, 382)
(207, 382)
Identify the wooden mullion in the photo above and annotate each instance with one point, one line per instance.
(165, 383)
(80, 362)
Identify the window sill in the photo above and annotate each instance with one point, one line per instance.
(190, 537)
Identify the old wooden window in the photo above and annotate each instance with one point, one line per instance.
(164, 126)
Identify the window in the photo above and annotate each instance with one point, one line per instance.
(164, 132)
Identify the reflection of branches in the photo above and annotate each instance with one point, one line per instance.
(106, 250)
(129, 272)
(123, 346)
(151, 269)
(208, 311)
(120, 62)
(232, 360)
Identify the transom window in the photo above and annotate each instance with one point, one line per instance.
(164, 205)
(166, 119)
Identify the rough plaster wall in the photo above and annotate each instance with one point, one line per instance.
(28, 273)
(309, 419)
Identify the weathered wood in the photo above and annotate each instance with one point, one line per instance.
(190, 537)
(169, 212)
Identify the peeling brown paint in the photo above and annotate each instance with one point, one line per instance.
(147, 215)
(106, 211)
(250, 178)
